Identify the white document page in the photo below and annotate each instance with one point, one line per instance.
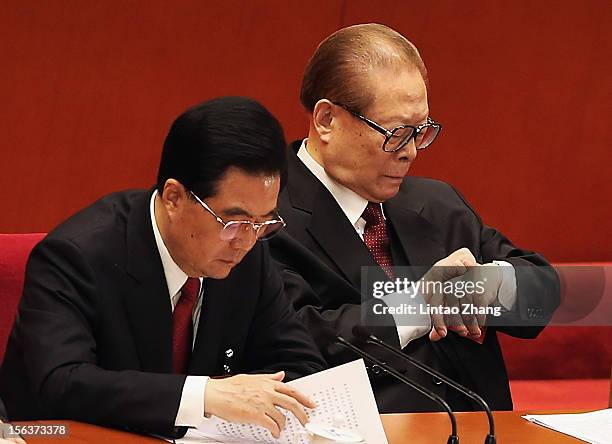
(341, 393)
(593, 427)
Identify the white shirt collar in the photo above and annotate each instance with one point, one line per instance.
(175, 277)
(351, 203)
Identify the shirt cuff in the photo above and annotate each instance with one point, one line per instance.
(408, 334)
(191, 408)
(506, 297)
(414, 321)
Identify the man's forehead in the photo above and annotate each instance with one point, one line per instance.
(400, 111)
(247, 194)
(395, 77)
(236, 178)
(242, 210)
(398, 95)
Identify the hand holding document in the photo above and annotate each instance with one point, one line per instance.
(345, 409)
(256, 399)
(592, 427)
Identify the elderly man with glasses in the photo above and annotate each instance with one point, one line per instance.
(135, 305)
(353, 212)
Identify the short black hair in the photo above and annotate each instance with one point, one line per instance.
(213, 136)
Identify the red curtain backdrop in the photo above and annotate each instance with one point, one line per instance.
(88, 90)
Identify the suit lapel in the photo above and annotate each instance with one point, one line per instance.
(328, 225)
(418, 238)
(336, 236)
(148, 303)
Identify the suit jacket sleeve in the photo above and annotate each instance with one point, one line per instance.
(278, 340)
(56, 325)
(538, 288)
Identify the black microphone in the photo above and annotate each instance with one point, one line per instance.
(332, 337)
(364, 335)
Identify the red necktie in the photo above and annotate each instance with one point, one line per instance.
(376, 238)
(182, 325)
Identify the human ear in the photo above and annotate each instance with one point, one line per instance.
(173, 197)
(322, 118)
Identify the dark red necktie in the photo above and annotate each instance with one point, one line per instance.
(376, 238)
(182, 325)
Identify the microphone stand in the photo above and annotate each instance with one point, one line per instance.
(453, 438)
(362, 333)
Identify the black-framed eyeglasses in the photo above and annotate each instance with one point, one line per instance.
(234, 228)
(400, 136)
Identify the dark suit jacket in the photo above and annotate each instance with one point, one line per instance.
(92, 338)
(322, 256)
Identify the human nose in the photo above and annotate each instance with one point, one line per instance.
(245, 239)
(408, 151)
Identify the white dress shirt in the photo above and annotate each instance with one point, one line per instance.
(353, 206)
(191, 408)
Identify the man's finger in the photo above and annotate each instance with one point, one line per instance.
(434, 336)
(464, 255)
(437, 319)
(469, 319)
(278, 376)
(446, 271)
(480, 297)
(266, 421)
(277, 416)
(296, 394)
(455, 321)
(292, 405)
(481, 318)
(468, 261)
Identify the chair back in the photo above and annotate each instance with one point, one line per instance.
(14, 252)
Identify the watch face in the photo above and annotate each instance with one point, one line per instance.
(333, 433)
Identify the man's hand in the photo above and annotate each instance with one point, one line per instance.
(3, 440)
(254, 399)
(489, 276)
(454, 265)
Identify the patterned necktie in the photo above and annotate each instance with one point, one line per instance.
(182, 325)
(376, 238)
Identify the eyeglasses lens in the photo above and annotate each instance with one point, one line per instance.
(398, 138)
(426, 136)
(239, 228)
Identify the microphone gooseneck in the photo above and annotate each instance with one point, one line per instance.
(453, 437)
(364, 335)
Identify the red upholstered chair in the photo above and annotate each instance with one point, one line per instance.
(610, 400)
(567, 367)
(14, 252)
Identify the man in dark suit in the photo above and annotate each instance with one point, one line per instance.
(349, 204)
(133, 302)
